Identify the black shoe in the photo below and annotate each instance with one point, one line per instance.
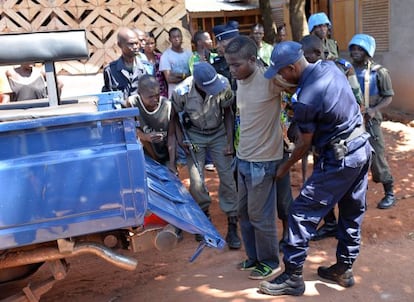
(339, 273)
(387, 202)
(325, 231)
(247, 265)
(232, 238)
(284, 284)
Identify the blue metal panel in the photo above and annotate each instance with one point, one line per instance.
(70, 175)
(171, 201)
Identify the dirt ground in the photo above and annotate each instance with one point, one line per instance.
(383, 271)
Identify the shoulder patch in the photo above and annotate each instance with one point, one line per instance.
(182, 89)
(344, 62)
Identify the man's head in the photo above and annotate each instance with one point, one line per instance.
(142, 37)
(312, 48)
(149, 91)
(175, 37)
(362, 47)
(288, 61)
(224, 34)
(128, 42)
(257, 33)
(241, 54)
(281, 34)
(202, 40)
(206, 79)
(319, 25)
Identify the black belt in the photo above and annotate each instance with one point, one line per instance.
(205, 131)
(358, 131)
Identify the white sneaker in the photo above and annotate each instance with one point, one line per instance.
(209, 167)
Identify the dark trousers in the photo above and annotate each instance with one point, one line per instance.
(332, 181)
(380, 169)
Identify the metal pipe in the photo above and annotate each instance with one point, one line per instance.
(20, 258)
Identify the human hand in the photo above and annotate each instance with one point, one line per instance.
(370, 112)
(156, 137)
(281, 171)
(229, 150)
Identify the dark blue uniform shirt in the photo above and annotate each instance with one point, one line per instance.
(325, 104)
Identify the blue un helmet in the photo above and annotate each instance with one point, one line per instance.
(364, 41)
(318, 19)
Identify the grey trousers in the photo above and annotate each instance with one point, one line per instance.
(216, 144)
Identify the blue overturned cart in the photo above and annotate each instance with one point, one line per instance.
(74, 178)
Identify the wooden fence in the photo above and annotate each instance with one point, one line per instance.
(100, 18)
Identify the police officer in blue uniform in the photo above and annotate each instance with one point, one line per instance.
(329, 120)
(375, 83)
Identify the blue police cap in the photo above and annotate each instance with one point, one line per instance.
(318, 19)
(207, 78)
(226, 31)
(283, 54)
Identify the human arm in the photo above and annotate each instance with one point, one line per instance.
(302, 146)
(146, 140)
(173, 77)
(172, 140)
(228, 119)
(382, 103)
(107, 79)
(385, 91)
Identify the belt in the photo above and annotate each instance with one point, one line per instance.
(359, 130)
(205, 131)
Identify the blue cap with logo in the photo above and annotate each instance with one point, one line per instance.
(318, 19)
(226, 31)
(207, 79)
(364, 41)
(283, 54)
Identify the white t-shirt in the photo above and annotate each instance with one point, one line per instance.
(176, 62)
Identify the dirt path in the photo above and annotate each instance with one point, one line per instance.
(383, 271)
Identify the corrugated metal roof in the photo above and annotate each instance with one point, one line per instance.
(216, 5)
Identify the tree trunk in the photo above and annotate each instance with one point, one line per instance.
(298, 22)
(268, 23)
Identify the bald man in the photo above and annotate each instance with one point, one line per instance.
(123, 74)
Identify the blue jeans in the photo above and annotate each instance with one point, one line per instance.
(257, 210)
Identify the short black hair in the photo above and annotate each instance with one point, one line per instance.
(173, 29)
(312, 43)
(150, 34)
(243, 46)
(258, 25)
(147, 82)
(198, 36)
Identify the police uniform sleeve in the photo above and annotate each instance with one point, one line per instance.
(384, 82)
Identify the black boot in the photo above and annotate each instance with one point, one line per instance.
(389, 199)
(340, 273)
(290, 282)
(232, 238)
(199, 237)
(285, 235)
(328, 229)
